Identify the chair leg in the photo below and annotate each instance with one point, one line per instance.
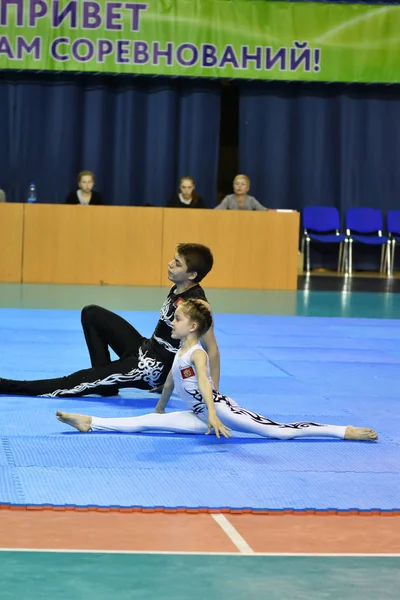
(392, 257)
(345, 258)
(308, 254)
(350, 258)
(383, 258)
(389, 258)
(340, 259)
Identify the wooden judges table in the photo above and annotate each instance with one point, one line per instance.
(120, 245)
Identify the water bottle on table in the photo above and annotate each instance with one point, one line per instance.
(32, 193)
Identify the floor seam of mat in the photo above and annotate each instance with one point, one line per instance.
(13, 468)
(394, 512)
(221, 470)
(274, 364)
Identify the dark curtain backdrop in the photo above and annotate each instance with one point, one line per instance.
(306, 144)
(138, 136)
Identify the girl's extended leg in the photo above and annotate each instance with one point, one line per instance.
(247, 421)
(174, 422)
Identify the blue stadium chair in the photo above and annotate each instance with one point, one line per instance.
(364, 226)
(393, 225)
(322, 224)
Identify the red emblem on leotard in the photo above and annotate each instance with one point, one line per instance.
(187, 372)
(178, 301)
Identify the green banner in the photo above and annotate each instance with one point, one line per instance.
(204, 38)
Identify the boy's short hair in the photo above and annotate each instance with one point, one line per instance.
(198, 258)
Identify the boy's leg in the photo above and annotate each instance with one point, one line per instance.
(141, 371)
(104, 329)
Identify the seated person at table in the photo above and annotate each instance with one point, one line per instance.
(84, 194)
(240, 200)
(187, 197)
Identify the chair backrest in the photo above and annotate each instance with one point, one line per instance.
(393, 221)
(364, 220)
(321, 218)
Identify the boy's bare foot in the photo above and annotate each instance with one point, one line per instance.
(80, 422)
(360, 433)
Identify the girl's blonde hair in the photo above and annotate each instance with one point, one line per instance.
(199, 312)
(242, 177)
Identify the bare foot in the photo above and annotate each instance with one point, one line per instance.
(80, 422)
(360, 433)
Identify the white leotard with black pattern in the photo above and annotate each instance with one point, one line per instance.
(185, 379)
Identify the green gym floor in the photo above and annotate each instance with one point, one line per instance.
(101, 576)
(312, 300)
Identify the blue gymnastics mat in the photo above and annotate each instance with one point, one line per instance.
(338, 371)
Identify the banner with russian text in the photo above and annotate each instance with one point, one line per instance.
(249, 39)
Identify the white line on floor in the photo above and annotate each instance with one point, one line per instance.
(232, 534)
(174, 553)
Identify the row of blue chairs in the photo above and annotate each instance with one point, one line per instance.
(321, 224)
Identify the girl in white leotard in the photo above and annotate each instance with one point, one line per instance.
(209, 411)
